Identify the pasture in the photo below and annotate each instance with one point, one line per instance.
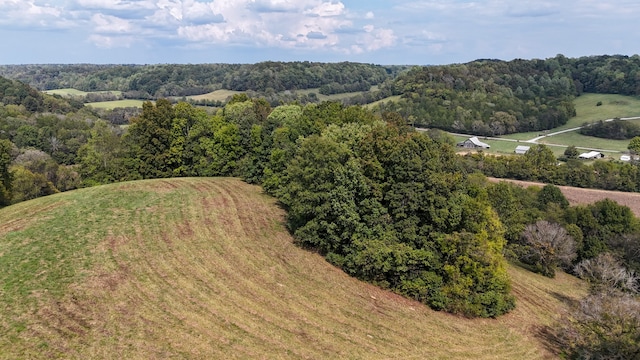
(75, 92)
(205, 268)
(217, 95)
(108, 105)
(587, 111)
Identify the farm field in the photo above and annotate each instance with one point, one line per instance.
(505, 147)
(390, 98)
(217, 95)
(587, 111)
(587, 142)
(204, 268)
(332, 97)
(75, 92)
(612, 106)
(580, 196)
(116, 103)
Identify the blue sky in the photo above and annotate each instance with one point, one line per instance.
(374, 31)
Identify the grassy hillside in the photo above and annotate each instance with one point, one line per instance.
(116, 103)
(218, 95)
(75, 92)
(204, 268)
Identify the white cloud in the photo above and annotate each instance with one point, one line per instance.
(310, 24)
(29, 13)
(110, 24)
(116, 4)
(376, 39)
(109, 42)
(275, 23)
(326, 9)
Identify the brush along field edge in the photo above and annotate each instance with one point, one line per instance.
(204, 268)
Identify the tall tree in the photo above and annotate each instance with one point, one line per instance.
(150, 137)
(6, 177)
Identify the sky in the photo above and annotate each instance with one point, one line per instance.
(394, 32)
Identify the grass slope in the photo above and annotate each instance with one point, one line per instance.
(116, 103)
(204, 268)
(76, 92)
(217, 95)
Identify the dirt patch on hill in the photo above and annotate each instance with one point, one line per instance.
(578, 196)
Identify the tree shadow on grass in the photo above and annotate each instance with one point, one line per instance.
(551, 335)
(550, 338)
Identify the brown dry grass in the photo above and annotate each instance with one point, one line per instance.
(580, 196)
(205, 269)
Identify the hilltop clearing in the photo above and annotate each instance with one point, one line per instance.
(204, 268)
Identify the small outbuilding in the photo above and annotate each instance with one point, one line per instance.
(473, 143)
(591, 155)
(522, 149)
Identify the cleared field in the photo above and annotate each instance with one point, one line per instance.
(116, 103)
(580, 196)
(75, 92)
(387, 99)
(612, 106)
(218, 95)
(205, 269)
(586, 142)
(586, 112)
(505, 147)
(332, 97)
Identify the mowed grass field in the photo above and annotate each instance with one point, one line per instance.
(587, 111)
(205, 269)
(116, 103)
(217, 95)
(75, 92)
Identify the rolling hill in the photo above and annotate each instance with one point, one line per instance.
(205, 268)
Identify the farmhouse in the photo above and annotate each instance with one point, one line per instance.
(521, 149)
(591, 155)
(473, 143)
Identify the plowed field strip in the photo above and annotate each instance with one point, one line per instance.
(580, 196)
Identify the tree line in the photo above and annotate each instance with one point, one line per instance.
(176, 80)
(540, 164)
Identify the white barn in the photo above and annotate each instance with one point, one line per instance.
(522, 149)
(591, 155)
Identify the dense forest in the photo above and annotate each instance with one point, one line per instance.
(483, 97)
(174, 80)
(386, 204)
(492, 97)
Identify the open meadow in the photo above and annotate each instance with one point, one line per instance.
(205, 268)
(217, 95)
(75, 92)
(587, 111)
(116, 103)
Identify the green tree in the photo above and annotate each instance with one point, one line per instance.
(634, 145)
(150, 138)
(551, 194)
(100, 156)
(28, 185)
(6, 176)
(571, 152)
